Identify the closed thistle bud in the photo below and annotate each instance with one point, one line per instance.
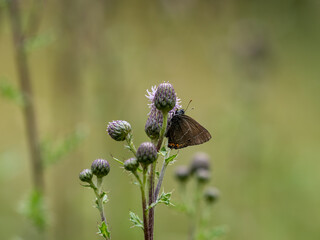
(211, 194)
(182, 173)
(203, 175)
(154, 124)
(119, 129)
(146, 153)
(165, 97)
(85, 175)
(100, 168)
(131, 164)
(200, 161)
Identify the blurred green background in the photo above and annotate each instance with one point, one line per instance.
(251, 69)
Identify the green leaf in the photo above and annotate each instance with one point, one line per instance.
(163, 151)
(137, 222)
(104, 197)
(52, 152)
(103, 231)
(171, 158)
(39, 41)
(11, 93)
(34, 209)
(163, 198)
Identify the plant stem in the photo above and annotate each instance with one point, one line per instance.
(130, 144)
(152, 193)
(25, 83)
(100, 203)
(144, 205)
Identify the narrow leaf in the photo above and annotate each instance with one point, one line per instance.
(137, 222)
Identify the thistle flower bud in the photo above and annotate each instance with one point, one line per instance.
(154, 124)
(165, 97)
(200, 161)
(85, 175)
(211, 194)
(146, 153)
(182, 173)
(100, 168)
(131, 164)
(203, 175)
(119, 130)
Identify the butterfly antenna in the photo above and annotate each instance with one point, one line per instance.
(188, 106)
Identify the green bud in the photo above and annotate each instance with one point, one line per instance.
(119, 130)
(85, 175)
(131, 164)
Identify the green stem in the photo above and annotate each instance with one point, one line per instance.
(132, 148)
(153, 194)
(144, 204)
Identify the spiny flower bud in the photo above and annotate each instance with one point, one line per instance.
(154, 124)
(182, 173)
(200, 161)
(211, 194)
(119, 130)
(131, 164)
(85, 175)
(165, 97)
(146, 153)
(202, 175)
(100, 168)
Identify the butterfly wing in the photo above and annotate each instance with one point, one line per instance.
(184, 131)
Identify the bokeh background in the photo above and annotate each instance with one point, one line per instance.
(251, 69)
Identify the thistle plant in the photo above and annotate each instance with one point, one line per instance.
(100, 168)
(197, 199)
(143, 164)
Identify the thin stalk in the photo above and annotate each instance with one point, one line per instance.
(144, 204)
(26, 88)
(152, 194)
(131, 145)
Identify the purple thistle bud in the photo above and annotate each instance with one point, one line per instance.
(165, 97)
(203, 175)
(155, 119)
(85, 175)
(146, 153)
(211, 194)
(154, 124)
(200, 161)
(100, 168)
(119, 130)
(182, 173)
(131, 164)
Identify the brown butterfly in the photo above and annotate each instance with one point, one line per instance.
(184, 131)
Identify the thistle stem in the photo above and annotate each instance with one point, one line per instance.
(152, 194)
(98, 191)
(131, 145)
(144, 204)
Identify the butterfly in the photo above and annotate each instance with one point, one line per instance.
(184, 131)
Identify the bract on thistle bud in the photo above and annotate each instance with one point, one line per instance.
(165, 97)
(146, 153)
(131, 164)
(200, 161)
(203, 175)
(211, 194)
(119, 130)
(85, 175)
(182, 173)
(100, 168)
